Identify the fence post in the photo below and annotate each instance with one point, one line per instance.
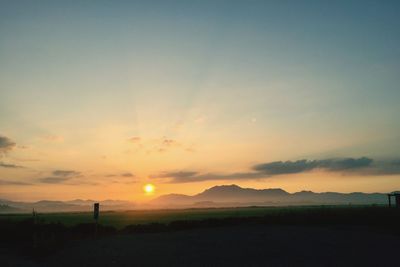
(96, 210)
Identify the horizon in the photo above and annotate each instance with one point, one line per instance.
(134, 100)
(202, 191)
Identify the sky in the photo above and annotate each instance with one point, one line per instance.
(99, 98)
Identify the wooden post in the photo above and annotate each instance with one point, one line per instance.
(96, 210)
(35, 236)
(397, 197)
(390, 200)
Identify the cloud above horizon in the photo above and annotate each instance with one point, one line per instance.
(54, 180)
(64, 173)
(192, 176)
(6, 145)
(8, 182)
(10, 166)
(288, 167)
(122, 178)
(60, 176)
(159, 145)
(360, 166)
(53, 138)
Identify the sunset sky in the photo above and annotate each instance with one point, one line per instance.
(99, 98)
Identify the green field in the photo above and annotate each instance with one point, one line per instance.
(120, 219)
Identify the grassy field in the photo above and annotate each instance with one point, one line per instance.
(52, 232)
(120, 219)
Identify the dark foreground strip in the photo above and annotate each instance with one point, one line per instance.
(38, 238)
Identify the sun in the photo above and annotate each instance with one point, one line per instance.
(148, 188)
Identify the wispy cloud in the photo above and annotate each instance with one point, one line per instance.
(65, 173)
(9, 182)
(135, 139)
(191, 176)
(179, 174)
(124, 181)
(159, 145)
(11, 166)
(54, 180)
(359, 166)
(6, 145)
(61, 176)
(287, 167)
(53, 138)
(125, 174)
(122, 178)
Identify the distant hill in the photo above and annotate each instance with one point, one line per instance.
(90, 202)
(217, 196)
(8, 209)
(233, 195)
(7, 206)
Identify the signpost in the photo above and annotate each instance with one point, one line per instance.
(396, 197)
(96, 209)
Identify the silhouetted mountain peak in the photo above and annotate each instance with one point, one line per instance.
(236, 195)
(221, 188)
(226, 189)
(275, 191)
(304, 193)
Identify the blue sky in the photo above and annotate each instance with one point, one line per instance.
(229, 83)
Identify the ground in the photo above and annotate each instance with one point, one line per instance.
(243, 245)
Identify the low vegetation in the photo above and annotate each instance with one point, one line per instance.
(42, 235)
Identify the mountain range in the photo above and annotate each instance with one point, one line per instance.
(217, 196)
(233, 195)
